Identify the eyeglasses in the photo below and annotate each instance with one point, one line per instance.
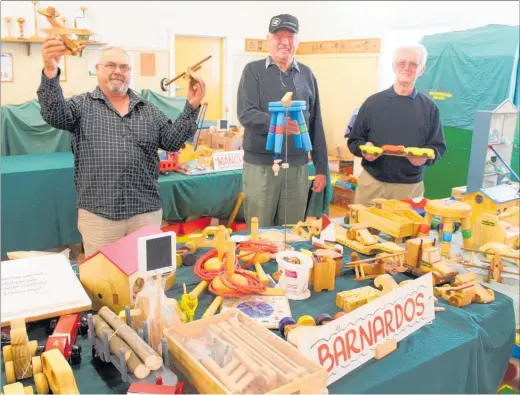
(112, 67)
(402, 64)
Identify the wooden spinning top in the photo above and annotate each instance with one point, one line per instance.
(21, 21)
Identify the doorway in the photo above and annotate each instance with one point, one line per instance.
(192, 49)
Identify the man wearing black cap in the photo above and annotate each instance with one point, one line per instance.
(268, 80)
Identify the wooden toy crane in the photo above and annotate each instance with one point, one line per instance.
(73, 46)
(188, 73)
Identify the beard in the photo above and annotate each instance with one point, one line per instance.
(117, 86)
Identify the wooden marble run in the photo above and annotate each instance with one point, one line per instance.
(232, 354)
(50, 371)
(74, 47)
(464, 291)
(398, 150)
(188, 74)
(359, 239)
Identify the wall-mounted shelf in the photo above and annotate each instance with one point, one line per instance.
(28, 42)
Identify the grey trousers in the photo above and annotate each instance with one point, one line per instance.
(265, 194)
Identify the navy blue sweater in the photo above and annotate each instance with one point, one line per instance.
(389, 118)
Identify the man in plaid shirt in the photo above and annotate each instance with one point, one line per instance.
(115, 138)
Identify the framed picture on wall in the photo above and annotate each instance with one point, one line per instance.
(6, 67)
(63, 67)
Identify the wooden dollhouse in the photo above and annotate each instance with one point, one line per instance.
(111, 276)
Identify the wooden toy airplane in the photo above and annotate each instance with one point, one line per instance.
(73, 47)
(188, 73)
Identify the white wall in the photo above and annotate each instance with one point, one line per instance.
(152, 24)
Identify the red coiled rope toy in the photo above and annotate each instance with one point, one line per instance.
(253, 248)
(234, 288)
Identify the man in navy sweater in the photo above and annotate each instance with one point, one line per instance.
(398, 115)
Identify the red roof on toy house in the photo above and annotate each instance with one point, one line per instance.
(123, 253)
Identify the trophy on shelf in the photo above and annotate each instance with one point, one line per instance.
(36, 36)
(8, 24)
(21, 21)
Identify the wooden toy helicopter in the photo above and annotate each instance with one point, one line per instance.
(187, 74)
(74, 47)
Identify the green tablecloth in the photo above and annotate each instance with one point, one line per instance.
(464, 351)
(38, 199)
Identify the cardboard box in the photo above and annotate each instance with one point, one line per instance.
(226, 141)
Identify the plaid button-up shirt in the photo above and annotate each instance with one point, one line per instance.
(116, 165)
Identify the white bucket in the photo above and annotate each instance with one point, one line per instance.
(295, 277)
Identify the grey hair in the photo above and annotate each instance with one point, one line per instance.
(104, 50)
(419, 48)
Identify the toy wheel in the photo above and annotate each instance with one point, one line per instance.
(41, 383)
(36, 365)
(10, 376)
(283, 322)
(83, 327)
(164, 88)
(75, 356)
(374, 231)
(339, 314)
(189, 259)
(454, 301)
(322, 319)
(7, 354)
(306, 320)
(351, 234)
(52, 325)
(6, 340)
(28, 390)
(191, 246)
(33, 347)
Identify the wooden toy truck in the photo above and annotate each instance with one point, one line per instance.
(63, 338)
(423, 257)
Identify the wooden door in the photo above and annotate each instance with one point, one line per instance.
(192, 49)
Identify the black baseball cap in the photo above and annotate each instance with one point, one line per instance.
(283, 21)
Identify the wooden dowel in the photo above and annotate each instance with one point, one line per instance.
(146, 353)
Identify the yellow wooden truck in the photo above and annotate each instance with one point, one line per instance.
(422, 256)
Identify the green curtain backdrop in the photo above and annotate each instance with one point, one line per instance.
(467, 71)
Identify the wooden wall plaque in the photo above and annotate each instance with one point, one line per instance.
(368, 45)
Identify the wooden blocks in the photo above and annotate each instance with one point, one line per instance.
(324, 274)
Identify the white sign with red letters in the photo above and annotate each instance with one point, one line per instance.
(228, 160)
(348, 342)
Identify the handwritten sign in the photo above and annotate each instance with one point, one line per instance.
(228, 160)
(40, 287)
(366, 45)
(351, 340)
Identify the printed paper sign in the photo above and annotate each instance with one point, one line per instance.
(40, 287)
(229, 160)
(348, 342)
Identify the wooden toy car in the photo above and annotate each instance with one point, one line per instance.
(206, 239)
(393, 149)
(371, 150)
(420, 152)
(63, 338)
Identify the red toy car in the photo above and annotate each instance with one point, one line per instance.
(393, 149)
(64, 333)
